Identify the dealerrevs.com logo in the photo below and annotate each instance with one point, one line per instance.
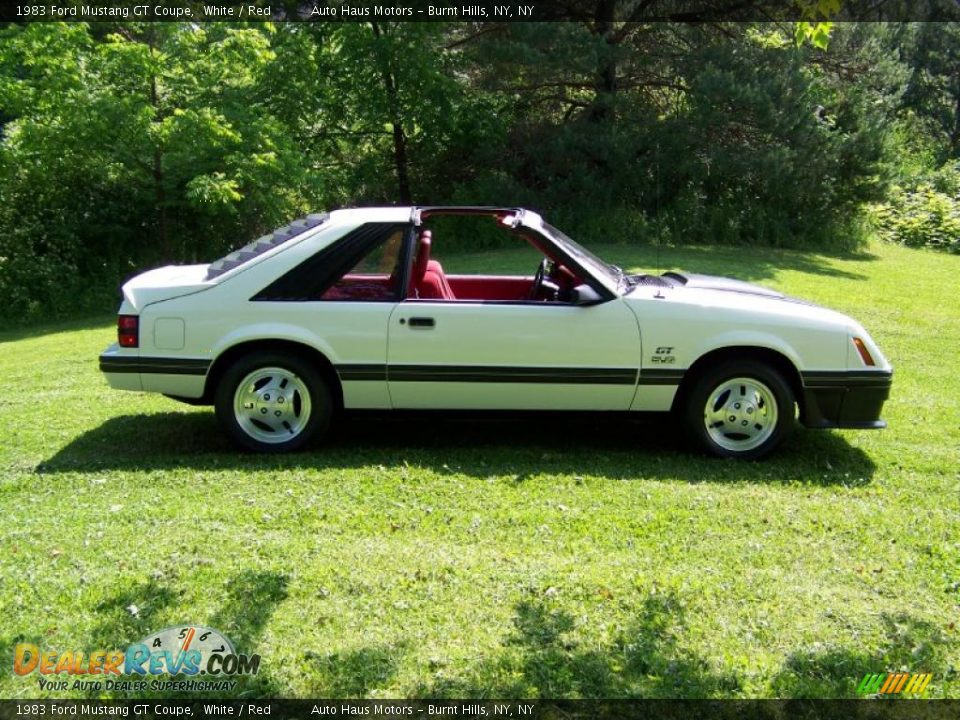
(188, 650)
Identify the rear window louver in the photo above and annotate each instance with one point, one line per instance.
(263, 244)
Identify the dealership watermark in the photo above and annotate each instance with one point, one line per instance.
(689, 11)
(188, 651)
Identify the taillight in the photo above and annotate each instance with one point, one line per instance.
(128, 330)
(864, 353)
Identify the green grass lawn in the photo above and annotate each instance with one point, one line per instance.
(494, 559)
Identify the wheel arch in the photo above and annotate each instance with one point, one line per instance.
(231, 354)
(775, 359)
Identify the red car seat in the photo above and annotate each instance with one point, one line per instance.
(427, 281)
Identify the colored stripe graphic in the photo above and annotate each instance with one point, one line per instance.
(490, 374)
(870, 683)
(903, 680)
(164, 366)
(893, 683)
(918, 683)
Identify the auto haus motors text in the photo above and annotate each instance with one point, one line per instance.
(138, 660)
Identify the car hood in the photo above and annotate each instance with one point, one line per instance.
(165, 283)
(715, 282)
(714, 292)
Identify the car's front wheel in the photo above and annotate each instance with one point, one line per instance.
(742, 409)
(273, 402)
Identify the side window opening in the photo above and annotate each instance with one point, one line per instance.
(365, 265)
(377, 276)
(479, 259)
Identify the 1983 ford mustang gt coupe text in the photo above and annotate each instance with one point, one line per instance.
(356, 309)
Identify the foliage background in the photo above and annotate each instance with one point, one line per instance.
(124, 146)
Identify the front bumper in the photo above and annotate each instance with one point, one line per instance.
(850, 399)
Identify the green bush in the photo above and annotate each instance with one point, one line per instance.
(924, 216)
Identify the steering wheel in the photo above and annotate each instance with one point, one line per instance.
(538, 279)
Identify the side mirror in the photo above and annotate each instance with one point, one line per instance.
(585, 295)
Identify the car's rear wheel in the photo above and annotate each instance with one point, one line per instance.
(273, 402)
(741, 409)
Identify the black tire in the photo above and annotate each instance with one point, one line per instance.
(745, 420)
(301, 408)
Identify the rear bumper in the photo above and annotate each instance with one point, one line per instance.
(845, 399)
(182, 377)
(120, 369)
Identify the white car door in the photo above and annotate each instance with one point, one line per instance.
(512, 356)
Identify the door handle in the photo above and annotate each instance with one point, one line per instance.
(422, 322)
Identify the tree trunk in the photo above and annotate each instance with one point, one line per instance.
(160, 202)
(955, 135)
(606, 92)
(400, 160)
(396, 121)
(159, 191)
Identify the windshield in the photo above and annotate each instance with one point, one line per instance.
(585, 257)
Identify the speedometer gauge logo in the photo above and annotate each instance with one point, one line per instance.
(187, 649)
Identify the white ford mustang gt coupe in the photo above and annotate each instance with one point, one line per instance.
(354, 310)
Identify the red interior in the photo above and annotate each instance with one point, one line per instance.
(490, 287)
(434, 285)
(429, 282)
(360, 287)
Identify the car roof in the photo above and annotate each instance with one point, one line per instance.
(403, 213)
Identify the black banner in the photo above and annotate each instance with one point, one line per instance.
(487, 709)
(468, 10)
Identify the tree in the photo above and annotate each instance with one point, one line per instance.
(933, 50)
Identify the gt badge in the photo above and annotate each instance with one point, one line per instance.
(663, 355)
